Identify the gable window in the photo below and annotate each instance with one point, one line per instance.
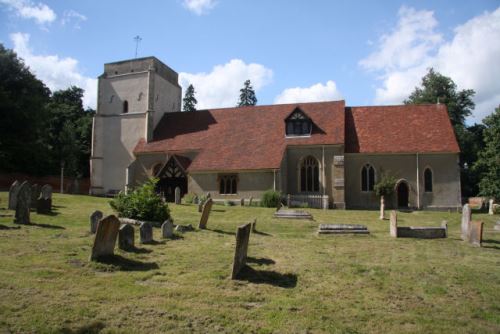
(298, 124)
(428, 180)
(125, 107)
(228, 184)
(367, 178)
(309, 175)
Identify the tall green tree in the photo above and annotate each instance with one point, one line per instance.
(488, 162)
(247, 95)
(189, 101)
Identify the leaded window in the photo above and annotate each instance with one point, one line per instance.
(309, 175)
(298, 124)
(228, 184)
(367, 178)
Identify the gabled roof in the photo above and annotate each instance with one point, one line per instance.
(400, 129)
(244, 138)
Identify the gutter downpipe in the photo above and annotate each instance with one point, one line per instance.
(274, 179)
(418, 186)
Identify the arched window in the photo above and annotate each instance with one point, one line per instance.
(309, 175)
(428, 180)
(228, 184)
(367, 178)
(125, 107)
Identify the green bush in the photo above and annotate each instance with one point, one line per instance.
(143, 203)
(189, 198)
(385, 187)
(270, 199)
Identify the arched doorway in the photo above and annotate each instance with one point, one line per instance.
(172, 175)
(403, 192)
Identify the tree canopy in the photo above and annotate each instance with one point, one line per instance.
(247, 95)
(189, 100)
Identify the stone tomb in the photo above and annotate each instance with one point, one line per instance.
(292, 214)
(466, 218)
(126, 237)
(13, 190)
(44, 202)
(207, 207)
(23, 201)
(342, 229)
(476, 233)
(94, 220)
(146, 233)
(177, 195)
(167, 229)
(105, 237)
(419, 232)
(241, 249)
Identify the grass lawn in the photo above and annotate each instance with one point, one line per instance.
(299, 282)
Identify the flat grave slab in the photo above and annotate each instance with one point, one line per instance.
(292, 214)
(342, 229)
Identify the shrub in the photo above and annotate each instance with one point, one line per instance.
(270, 199)
(189, 198)
(143, 203)
(385, 187)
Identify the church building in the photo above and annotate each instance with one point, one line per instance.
(325, 154)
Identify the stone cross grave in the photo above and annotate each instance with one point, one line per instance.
(146, 233)
(241, 249)
(14, 189)
(105, 237)
(465, 226)
(177, 195)
(23, 204)
(167, 229)
(476, 233)
(94, 220)
(35, 193)
(126, 237)
(44, 202)
(207, 207)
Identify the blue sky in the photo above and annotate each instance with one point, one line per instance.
(371, 52)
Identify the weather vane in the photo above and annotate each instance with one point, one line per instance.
(137, 40)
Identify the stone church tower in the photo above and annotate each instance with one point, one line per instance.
(133, 95)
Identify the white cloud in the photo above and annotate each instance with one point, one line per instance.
(199, 7)
(55, 72)
(315, 93)
(221, 87)
(40, 12)
(73, 16)
(470, 58)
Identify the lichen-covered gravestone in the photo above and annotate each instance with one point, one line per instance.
(14, 189)
(94, 220)
(23, 204)
(394, 224)
(35, 193)
(126, 237)
(465, 226)
(250, 201)
(242, 202)
(146, 233)
(105, 237)
(44, 202)
(241, 249)
(167, 229)
(207, 207)
(476, 233)
(177, 195)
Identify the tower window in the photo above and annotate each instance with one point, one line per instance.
(367, 178)
(309, 175)
(125, 107)
(428, 180)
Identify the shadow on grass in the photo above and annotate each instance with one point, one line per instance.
(218, 210)
(268, 277)
(58, 206)
(2, 215)
(259, 260)
(154, 243)
(262, 233)
(221, 232)
(125, 264)
(138, 250)
(92, 328)
(56, 227)
(3, 227)
(489, 243)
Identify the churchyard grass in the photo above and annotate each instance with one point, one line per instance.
(299, 283)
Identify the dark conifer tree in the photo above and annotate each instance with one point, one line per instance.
(247, 95)
(189, 101)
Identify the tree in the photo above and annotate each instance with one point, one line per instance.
(247, 95)
(488, 162)
(384, 188)
(189, 101)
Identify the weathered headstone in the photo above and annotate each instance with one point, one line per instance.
(94, 220)
(207, 207)
(254, 225)
(146, 233)
(167, 229)
(242, 202)
(394, 224)
(200, 206)
(177, 195)
(241, 249)
(466, 218)
(44, 202)
(23, 204)
(444, 224)
(288, 201)
(382, 208)
(35, 193)
(126, 237)
(490, 207)
(209, 195)
(196, 200)
(250, 200)
(105, 237)
(476, 233)
(14, 189)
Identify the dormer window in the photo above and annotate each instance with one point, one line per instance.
(298, 124)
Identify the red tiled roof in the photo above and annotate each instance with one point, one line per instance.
(245, 138)
(399, 129)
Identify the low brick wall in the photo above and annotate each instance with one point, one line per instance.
(82, 186)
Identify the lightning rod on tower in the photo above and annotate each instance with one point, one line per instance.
(137, 40)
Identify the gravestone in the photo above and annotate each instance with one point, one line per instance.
(476, 233)
(23, 204)
(288, 200)
(195, 200)
(177, 195)
(241, 249)
(167, 229)
(242, 202)
(254, 225)
(44, 202)
(394, 224)
(146, 233)
(200, 206)
(35, 193)
(126, 237)
(14, 189)
(444, 224)
(250, 201)
(209, 195)
(490, 207)
(207, 207)
(466, 217)
(94, 220)
(105, 237)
